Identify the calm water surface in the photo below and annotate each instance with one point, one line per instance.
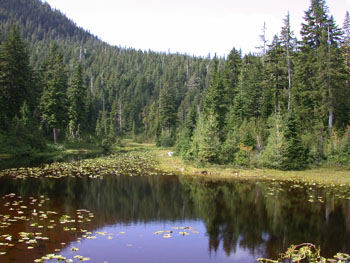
(165, 218)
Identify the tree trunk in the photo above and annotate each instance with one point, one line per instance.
(276, 97)
(330, 121)
(54, 135)
(289, 80)
(91, 84)
(276, 101)
(120, 115)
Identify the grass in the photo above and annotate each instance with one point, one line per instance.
(129, 145)
(174, 164)
(5, 156)
(323, 175)
(69, 148)
(81, 147)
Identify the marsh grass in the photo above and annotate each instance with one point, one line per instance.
(336, 175)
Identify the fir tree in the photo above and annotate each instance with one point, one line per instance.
(214, 101)
(53, 103)
(293, 154)
(76, 98)
(206, 143)
(345, 45)
(316, 21)
(15, 76)
(289, 43)
(320, 39)
(167, 112)
(248, 100)
(276, 76)
(330, 80)
(231, 75)
(271, 156)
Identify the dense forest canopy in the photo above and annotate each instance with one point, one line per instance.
(285, 108)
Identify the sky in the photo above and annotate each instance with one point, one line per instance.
(193, 27)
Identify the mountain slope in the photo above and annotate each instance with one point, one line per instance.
(127, 77)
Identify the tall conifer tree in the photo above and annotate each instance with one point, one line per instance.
(167, 112)
(345, 44)
(214, 100)
(320, 40)
(276, 77)
(289, 43)
(76, 98)
(53, 103)
(15, 75)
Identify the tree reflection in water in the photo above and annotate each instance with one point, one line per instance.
(263, 218)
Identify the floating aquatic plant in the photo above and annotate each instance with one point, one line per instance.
(38, 223)
(306, 252)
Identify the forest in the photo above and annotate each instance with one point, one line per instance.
(286, 107)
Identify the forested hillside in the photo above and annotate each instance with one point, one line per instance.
(286, 107)
(122, 87)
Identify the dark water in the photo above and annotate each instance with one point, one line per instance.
(120, 219)
(30, 161)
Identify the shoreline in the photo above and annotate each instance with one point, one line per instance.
(321, 175)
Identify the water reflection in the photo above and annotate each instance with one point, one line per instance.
(265, 222)
(235, 221)
(31, 161)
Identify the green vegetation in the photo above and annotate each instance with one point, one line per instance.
(306, 252)
(254, 214)
(328, 176)
(287, 105)
(286, 108)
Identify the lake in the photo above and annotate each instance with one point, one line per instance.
(121, 209)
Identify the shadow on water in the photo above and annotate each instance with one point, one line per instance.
(33, 161)
(241, 220)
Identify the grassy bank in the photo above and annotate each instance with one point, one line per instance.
(67, 148)
(70, 148)
(321, 175)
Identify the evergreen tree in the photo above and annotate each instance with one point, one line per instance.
(214, 101)
(249, 99)
(206, 143)
(330, 80)
(345, 45)
(231, 75)
(276, 76)
(102, 125)
(167, 111)
(313, 74)
(293, 154)
(271, 156)
(26, 116)
(76, 98)
(15, 76)
(185, 135)
(316, 21)
(222, 105)
(91, 114)
(114, 115)
(53, 103)
(191, 119)
(289, 43)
